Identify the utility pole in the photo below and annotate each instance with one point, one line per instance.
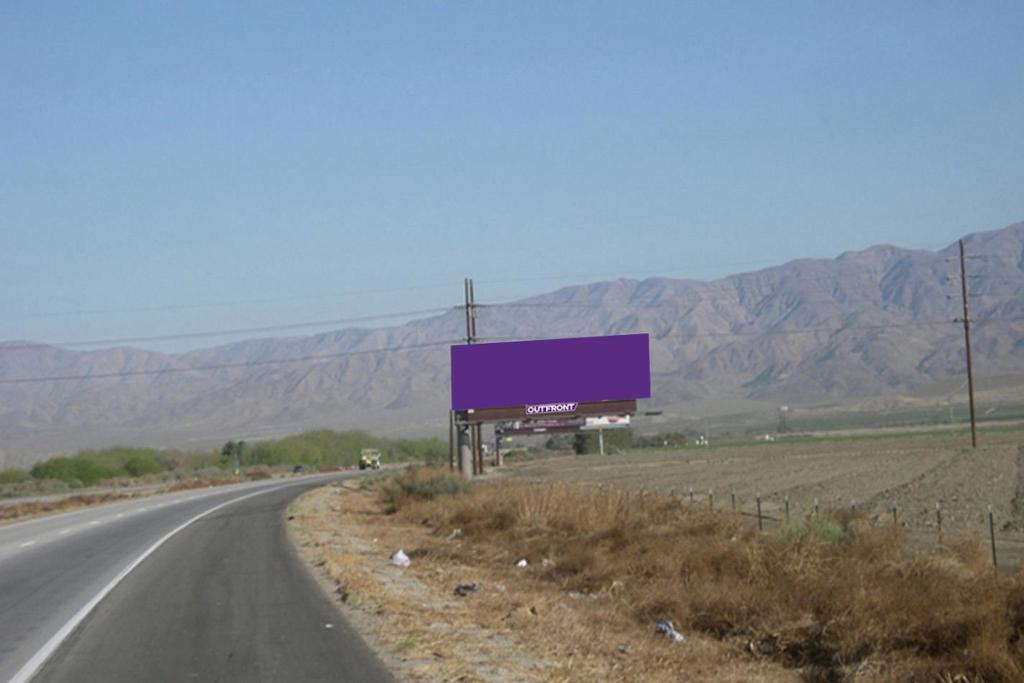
(478, 429)
(967, 344)
(475, 431)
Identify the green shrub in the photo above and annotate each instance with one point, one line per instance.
(819, 528)
(317, 449)
(326, 448)
(139, 465)
(78, 470)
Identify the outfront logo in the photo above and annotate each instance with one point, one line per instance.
(552, 408)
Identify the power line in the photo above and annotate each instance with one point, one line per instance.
(693, 298)
(237, 302)
(685, 298)
(768, 265)
(225, 366)
(806, 330)
(225, 333)
(447, 342)
(384, 316)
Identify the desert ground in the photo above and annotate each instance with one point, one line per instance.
(913, 472)
(614, 542)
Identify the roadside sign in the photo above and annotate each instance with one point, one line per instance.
(551, 376)
(606, 422)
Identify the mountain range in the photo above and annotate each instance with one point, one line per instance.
(868, 323)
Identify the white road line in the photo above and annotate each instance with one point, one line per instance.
(63, 532)
(26, 672)
(26, 544)
(94, 522)
(119, 515)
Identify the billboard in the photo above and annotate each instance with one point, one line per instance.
(551, 375)
(606, 422)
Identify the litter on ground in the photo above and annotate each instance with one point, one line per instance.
(664, 627)
(400, 559)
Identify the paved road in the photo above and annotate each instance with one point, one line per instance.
(222, 599)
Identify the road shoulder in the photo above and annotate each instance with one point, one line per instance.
(510, 628)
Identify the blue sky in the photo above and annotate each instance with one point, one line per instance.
(173, 167)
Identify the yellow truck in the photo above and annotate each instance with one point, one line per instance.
(369, 459)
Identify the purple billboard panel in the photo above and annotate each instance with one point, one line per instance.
(551, 372)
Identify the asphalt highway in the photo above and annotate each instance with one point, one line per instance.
(194, 586)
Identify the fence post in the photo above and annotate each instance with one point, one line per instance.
(815, 507)
(787, 509)
(760, 521)
(895, 521)
(733, 494)
(711, 499)
(992, 536)
(938, 518)
(691, 495)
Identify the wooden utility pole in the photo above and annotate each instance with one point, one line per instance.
(464, 456)
(475, 430)
(478, 429)
(967, 344)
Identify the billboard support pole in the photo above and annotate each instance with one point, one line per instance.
(465, 452)
(600, 441)
(451, 440)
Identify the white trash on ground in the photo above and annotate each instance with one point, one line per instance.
(400, 559)
(665, 628)
(522, 563)
(454, 534)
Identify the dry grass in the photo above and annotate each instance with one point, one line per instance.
(513, 629)
(258, 473)
(41, 507)
(416, 483)
(860, 608)
(201, 483)
(11, 511)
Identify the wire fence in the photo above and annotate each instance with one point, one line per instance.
(779, 514)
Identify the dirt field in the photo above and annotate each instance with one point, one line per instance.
(914, 473)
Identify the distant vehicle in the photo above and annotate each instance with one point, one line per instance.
(369, 459)
(298, 469)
